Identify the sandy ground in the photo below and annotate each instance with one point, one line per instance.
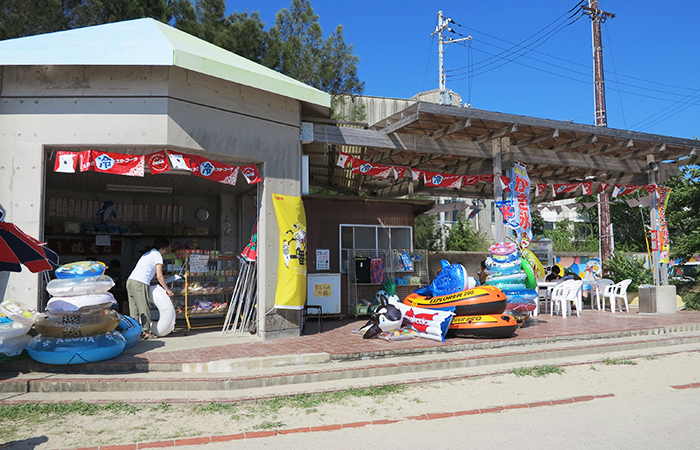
(648, 375)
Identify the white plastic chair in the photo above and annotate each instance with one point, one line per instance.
(617, 293)
(600, 287)
(564, 294)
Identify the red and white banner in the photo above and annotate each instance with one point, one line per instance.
(250, 172)
(158, 162)
(540, 188)
(66, 162)
(213, 170)
(470, 180)
(488, 178)
(587, 188)
(441, 180)
(114, 163)
(399, 172)
(368, 168)
(564, 188)
(343, 159)
(604, 187)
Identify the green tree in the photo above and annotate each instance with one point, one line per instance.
(563, 234)
(682, 213)
(462, 237)
(426, 232)
(19, 18)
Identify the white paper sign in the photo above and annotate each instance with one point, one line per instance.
(103, 240)
(198, 263)
(323, 257)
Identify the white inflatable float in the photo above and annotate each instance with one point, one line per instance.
(166, 322)
(81, 302)
(71, 287)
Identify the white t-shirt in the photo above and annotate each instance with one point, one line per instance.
(145, 268)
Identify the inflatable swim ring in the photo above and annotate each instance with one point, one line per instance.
(71, 287)
(530, 280)
(479, 300)
(166, 323)
(535, 263)
(77, 324)
(81, 269)
(503, 248)
(13, 346)
(515, 277)
(18, 312)
(130, 328)
(504, 266)
(483, 326)
(506, 258)
(507, 288)
(80, 350)
(82, 302)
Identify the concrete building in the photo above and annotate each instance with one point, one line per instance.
(134, 88)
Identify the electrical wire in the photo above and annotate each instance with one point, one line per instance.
(617, 81)
(430, 52)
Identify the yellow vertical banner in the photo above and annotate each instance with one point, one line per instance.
(291, 268)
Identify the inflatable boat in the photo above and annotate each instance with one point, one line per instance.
(487, 326)
(470, 302)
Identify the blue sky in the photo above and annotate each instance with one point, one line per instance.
(651, 56)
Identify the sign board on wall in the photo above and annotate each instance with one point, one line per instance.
(323, 258)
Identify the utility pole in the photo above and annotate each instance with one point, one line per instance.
(442, 25)
(601, 120)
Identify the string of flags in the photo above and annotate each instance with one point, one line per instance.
(158, 162)
(435, 179)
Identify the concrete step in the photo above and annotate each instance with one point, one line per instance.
(255, 378)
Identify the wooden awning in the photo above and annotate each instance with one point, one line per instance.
(467, 141)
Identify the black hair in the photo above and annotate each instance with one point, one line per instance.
(115, 264)
(161, 242)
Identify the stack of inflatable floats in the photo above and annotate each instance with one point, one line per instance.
(453, 304)
(514, 276)
(80, 324)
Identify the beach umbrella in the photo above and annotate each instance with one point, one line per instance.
(17, 249)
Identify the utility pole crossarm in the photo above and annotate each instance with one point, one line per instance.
(443, 25)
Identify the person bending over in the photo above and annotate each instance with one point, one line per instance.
(138, 284)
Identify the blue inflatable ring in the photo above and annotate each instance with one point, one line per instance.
(80, 350)
(81, 269)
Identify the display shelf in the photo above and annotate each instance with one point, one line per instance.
(408, 269)
(205, 287)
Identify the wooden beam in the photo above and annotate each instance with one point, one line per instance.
(496, 134)
(406, 121)
(538, 138)
(611, 148)
(462, 124)
(357, 137)
(580, 160)
(576, 143)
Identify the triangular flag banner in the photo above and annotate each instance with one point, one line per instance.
(158, 162)
(624, 189)
(470, 180)
(343, 159)
(368, 168)
(114, 163)
(213, 170)
(488, 178)
(399, 172)
(604, 187)
(505, 182)
(646, 201)
(539, 188)
(178, 161)
(632, 202)
(415, 174)
(589, 204)
(441, 180)
(650, 188)
(65, 162)
(587, 188)
(250, 173)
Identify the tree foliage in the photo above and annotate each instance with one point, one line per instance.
(682, 213)
(462, 237)
(427, 233)
(294, 46)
